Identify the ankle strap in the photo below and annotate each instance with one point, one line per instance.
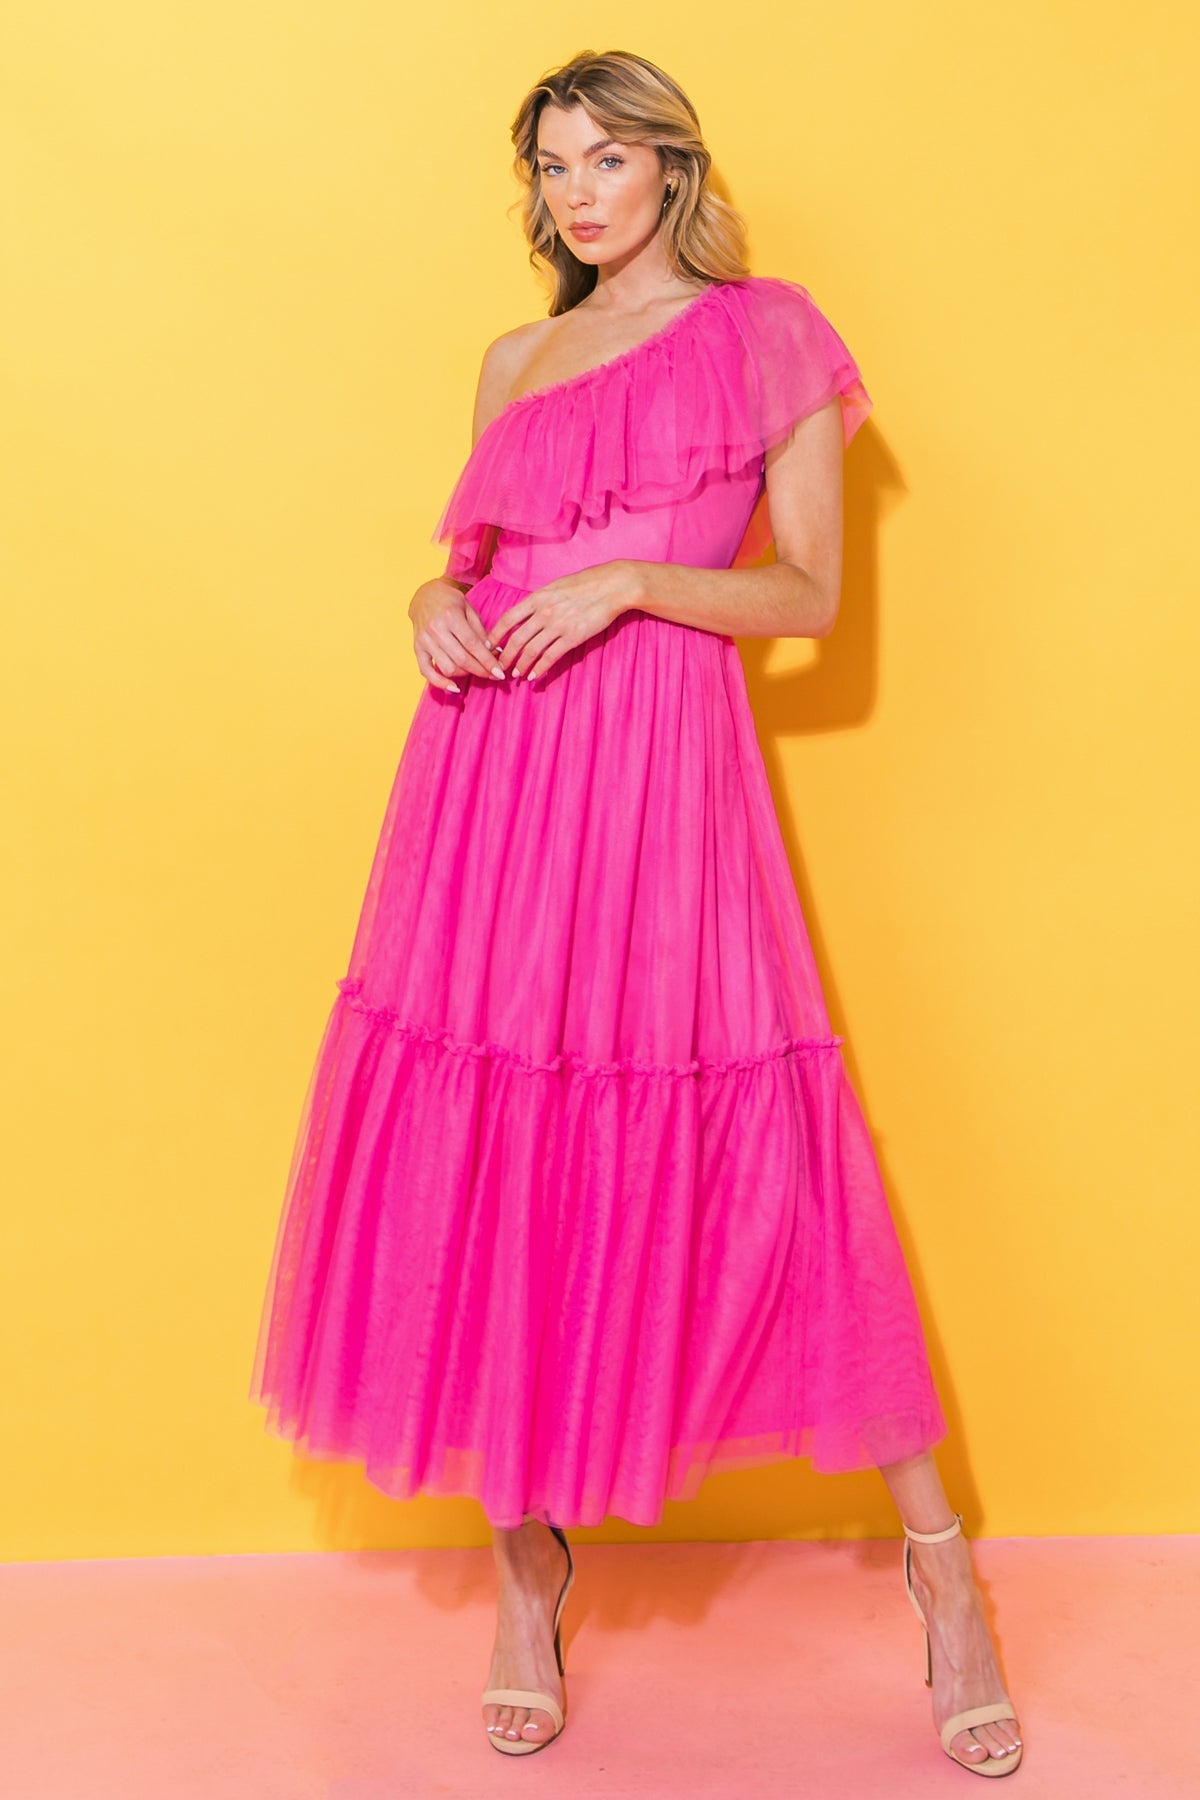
(935, 1537)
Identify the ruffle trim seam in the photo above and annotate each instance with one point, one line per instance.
(654, 341)
(351, 993)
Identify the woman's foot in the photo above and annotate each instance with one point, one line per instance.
(965, 1670)
(532, 1568)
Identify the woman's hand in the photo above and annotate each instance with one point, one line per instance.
(551, 620)
(448, 635)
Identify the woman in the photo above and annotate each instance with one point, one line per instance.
(583, 1206)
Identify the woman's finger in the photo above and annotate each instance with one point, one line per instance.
(529, 656)
(515, 650)
(477, 624)
(471, 646)
(517, 614)
(431, 672)
(441, 649)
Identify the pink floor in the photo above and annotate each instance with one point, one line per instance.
(692, 1670)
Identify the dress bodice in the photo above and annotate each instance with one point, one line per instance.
(657, 454)
(703, 528)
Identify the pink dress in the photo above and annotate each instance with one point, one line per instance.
(583, 1206)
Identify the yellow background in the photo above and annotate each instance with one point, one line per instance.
(254, 253)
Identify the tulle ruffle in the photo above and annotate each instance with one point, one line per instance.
(727, 378)
(532, 1286)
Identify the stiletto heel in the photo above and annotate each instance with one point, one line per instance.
(531, 1697)
(974, 1715)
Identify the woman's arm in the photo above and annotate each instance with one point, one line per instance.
(447, 630)
(796, 596)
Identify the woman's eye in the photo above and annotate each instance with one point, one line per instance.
(552, 168)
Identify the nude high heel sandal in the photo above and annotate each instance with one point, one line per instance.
(530, 1697)
(974, 1715)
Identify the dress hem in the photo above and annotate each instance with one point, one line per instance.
(689, 1468)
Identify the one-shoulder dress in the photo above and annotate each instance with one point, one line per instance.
(583, 1205)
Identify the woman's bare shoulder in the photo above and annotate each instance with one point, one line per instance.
(500, 370)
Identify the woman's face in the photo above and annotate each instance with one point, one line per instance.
(589, 180)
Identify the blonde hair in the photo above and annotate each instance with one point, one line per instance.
(632, 101)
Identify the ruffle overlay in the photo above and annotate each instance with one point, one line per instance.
(722, 382)
(583, 1291)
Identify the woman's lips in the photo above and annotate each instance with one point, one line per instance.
(585, 231)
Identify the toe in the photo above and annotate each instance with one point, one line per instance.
(517, 1719)
(967, 1747)
(537, 1726)
(1001, 1738)
(993, 1742)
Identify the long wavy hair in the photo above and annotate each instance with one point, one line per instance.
(632, 101)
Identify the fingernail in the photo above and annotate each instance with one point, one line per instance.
(498, 673)
(453, 687)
